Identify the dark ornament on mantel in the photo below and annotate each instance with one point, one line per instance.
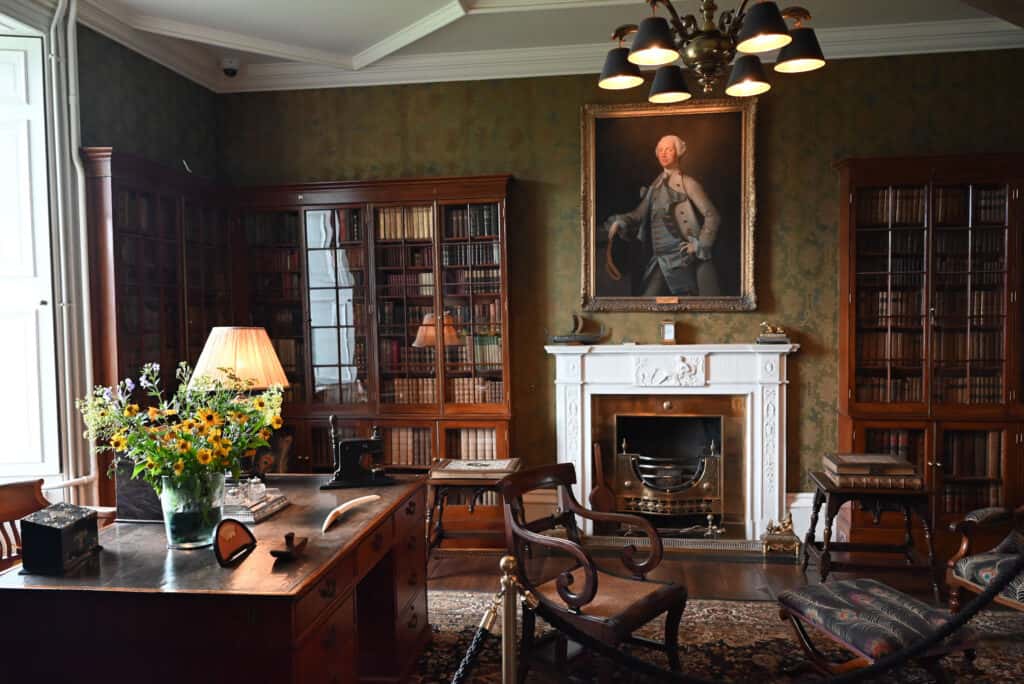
(577, 336)
(292, 549)
(57, 539)
(232, 542)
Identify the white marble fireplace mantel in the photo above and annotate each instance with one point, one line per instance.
(756, 371)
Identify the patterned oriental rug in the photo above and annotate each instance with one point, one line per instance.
(737, 641)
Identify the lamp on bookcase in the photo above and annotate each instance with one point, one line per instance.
(426, 334)
(247, 352)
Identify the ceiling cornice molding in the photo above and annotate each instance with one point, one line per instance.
(843, 43)
(424, 26)
(191, 61)
(504, 6)
(237, 41)
(34, 15)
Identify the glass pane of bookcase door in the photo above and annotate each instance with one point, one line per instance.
(409, 447)
(207, 274)
(988, 285)
(471, 276)
(275, 289)
(336, 280)
(972, 470)
(406, 326)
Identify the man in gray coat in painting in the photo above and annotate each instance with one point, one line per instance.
(667, 224)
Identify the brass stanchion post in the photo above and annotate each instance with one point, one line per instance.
(509, 588)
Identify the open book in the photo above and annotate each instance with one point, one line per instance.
(464, 468)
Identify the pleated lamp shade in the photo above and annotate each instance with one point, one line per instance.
(245, 351)
(426, 334)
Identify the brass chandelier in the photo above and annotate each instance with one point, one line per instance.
(707, 48)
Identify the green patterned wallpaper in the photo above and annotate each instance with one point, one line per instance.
(952, 103)
(135, 105)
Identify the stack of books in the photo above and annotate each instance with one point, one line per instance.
(256, 511)
(874, 471)
(459, 468)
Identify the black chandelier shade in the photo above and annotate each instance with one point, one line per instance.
(803, 54)
(668, 86)
(653, 44)
(747, 78)
(618, 72)
(763, 29)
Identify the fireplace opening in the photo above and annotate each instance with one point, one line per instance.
(672, 453)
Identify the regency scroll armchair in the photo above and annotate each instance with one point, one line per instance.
(971, 570)
(604, 606)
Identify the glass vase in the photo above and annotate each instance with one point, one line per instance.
(192, 509)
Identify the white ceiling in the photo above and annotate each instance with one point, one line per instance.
(321, 43)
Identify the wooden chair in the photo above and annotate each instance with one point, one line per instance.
(971, 570)
(17, 500)
(604, 606)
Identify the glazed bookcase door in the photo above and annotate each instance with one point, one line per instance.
(405, 293)
(208, 269)
(889, 297)
(409, 445)
(148, 246)
(970, 468)
(970, 295)
(472, 276)
(275, 287)
(337, 264)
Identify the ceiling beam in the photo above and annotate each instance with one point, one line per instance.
(436, 20)
(1008, 10)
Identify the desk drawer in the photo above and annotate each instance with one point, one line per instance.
(410, 567)
(335, 582)
(410, 624)
(328, 655)
(411, 515)
(373, 548)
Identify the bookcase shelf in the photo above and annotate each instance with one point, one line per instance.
(930, 324)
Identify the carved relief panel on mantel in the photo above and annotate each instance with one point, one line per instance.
(684, 370)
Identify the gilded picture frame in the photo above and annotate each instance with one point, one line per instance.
(684, 239)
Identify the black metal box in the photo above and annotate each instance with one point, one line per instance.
(57, 538)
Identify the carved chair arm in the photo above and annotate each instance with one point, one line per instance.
(980, 518)
(574, 600)
(640, 569)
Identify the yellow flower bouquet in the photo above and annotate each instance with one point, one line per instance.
(183, 445)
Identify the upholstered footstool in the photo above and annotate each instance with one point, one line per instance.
(871, 620)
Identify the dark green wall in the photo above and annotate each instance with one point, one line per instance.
(135, 105)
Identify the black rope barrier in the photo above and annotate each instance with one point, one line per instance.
(472, 653)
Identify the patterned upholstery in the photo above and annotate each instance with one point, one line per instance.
(982, 568)
(871, 617)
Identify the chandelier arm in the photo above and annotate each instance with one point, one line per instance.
(674, 19)
(737, 21)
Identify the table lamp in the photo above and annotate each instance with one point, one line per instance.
(246, 351)
(426, 334)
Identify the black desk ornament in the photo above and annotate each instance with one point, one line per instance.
(57, 539)
(357, 461)
(232, 542)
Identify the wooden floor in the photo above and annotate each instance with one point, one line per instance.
(737, 578)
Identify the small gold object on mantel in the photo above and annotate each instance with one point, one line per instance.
(771, 334)
(780, 537)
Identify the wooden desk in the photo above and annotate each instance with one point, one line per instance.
(909, 501)
(355, 603)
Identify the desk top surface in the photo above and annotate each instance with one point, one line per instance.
(135, 556)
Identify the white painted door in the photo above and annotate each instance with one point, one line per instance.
(28, 394)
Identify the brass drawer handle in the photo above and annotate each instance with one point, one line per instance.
(410, 507)
(329, 589)
(378, 542)
(413, 621)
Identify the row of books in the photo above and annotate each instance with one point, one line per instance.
(951, 243)
(467, 254)
(289, 352)
(982, 303)
(873, 305)
(328, 228)
(950, 205)
(960, 263)
(959, 346)
(908, 209)
(405, 223)
(134, 213)
(401, 313)
(394, 256)
(898, 243)
(409, 446)
(486, 349)
(979, 389)
(476, 391)
(271, 228)
(280, 321)
(479, 313)
(972, 453)
(474, 221)
(990, 206)
(896, 389)
(963, 498)
(874, 347)
(395, 353)
(472, 280)
(409, 390)
(898, 442)
(408, 284)
(887, 264)
(477, 444)
(276, 285)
